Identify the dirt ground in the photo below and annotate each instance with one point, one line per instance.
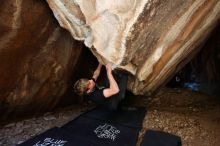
(192, 116)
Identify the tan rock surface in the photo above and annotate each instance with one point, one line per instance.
(152, 39)
(37, 57)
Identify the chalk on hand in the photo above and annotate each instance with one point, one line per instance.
(113, 66)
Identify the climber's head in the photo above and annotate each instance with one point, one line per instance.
(81, 86)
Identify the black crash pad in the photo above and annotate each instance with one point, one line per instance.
(57, 137)
(159, 138)
(127, 116)
(97, 127)
(107, 128)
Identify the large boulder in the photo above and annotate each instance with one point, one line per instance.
(37, 57)
(152, 39)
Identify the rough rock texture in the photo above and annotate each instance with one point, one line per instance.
(150, 38)
(37, 57)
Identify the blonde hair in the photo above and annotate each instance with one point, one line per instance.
(80, 87)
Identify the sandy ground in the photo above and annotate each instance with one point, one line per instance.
(192, 116)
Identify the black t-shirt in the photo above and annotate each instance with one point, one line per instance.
(97, 96)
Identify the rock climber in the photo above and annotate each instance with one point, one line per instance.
(108, 96)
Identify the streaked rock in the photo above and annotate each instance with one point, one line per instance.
(37, 57)
(152, 39)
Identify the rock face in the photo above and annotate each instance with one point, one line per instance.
(152, 39)
(37, 57)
